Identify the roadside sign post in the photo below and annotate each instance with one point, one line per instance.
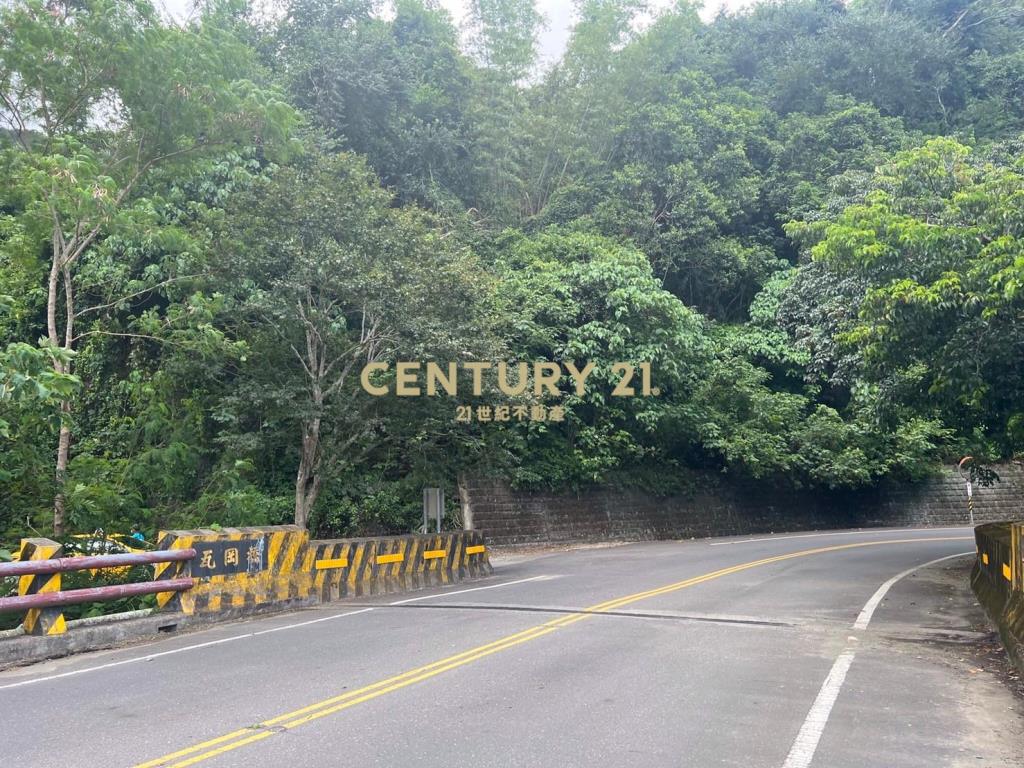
(433, 506)
(966, 476)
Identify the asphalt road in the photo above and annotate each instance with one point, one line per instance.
(781, 652)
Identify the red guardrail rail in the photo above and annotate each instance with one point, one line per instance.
(92, 594)
(41, 600)
(91, 562)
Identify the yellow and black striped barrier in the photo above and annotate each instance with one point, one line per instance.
(41, 621)
(237, 568)
(242, 569)
(998, 546)
(998, 581)
(379, 565)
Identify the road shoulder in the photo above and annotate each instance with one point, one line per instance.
(931, 642)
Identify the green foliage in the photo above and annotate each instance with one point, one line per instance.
(505, 35)
(394, 91)
(328, 277)
(805, 216)
(28, 382)
(582, 298)
(31, 396)
(937, 242)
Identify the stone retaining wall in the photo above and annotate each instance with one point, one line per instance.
(717, 508)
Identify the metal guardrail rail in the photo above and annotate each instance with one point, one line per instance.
(92, 562)
(54, 599)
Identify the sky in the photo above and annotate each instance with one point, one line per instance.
(558, 13)
(559, 16)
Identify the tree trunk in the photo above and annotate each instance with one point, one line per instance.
(64, 440)
(307, 480)
(464, 501)
(63, 452)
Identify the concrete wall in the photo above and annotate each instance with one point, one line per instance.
(374, 566)
(239, 570)
(998, 582)
(717, 508)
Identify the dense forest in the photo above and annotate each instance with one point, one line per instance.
(808, 217)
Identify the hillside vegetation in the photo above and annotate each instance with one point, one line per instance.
(807, 217)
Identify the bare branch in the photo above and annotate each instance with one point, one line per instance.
(93, 233)
(339, 382)
(128, 297)
(19, 128)
(146, 336)
(302, 360)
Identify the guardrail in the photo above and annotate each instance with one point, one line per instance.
(1000, 556)
(998, 581)
(207, 574)
(39, 580)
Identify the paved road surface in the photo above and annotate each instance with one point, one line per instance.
(778, 652)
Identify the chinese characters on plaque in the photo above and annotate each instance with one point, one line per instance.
(222, 558)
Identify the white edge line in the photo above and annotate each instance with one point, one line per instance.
(151, 656)
(221, 641)
(839, 533)
(864, 617)
(806, 744)
(307, 623)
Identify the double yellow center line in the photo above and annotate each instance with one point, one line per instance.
(230, 741)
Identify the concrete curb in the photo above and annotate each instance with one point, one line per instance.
(27, 649)
(117, 630)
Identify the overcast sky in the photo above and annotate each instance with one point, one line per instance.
(559, 15)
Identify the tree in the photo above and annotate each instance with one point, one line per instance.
(801, 52)
(584, 299)
(937, 243)
(98, 95)
(31, 396)
(504, 36)
(573, 127)
(632, 200)
(332, 278)
(814, 149)
(393, 90)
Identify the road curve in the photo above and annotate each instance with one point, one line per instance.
(781, 651)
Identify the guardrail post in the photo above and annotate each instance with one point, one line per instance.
(1017, 556)
(41, 621)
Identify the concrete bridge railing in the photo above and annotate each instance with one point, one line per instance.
(236, 570)
(206, 575)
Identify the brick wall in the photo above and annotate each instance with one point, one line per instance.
(717, 508)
